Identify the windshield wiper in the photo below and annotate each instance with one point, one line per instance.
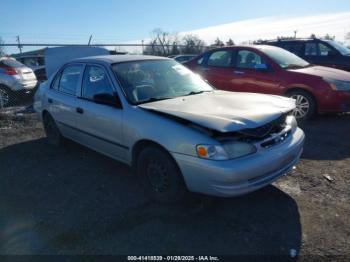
(152, 99)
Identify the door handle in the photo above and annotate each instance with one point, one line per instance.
(238, 72)
(80, 110)
(49, 100)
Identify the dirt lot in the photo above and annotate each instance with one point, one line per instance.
(72, 200)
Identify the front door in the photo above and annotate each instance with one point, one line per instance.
(100, 124)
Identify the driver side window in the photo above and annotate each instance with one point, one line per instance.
(95, 81)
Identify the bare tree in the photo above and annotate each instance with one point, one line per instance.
(162, 43)
(192, 44)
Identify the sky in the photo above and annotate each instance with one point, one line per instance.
(120, 21)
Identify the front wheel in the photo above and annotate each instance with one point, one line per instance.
(159, 176)
(305, 104)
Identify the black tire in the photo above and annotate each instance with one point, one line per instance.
(306, 105)
(159, 176)
(6, 97)
(53, 134)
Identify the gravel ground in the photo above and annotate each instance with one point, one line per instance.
(71, 200)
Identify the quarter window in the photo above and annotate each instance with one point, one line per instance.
(248, 59)
(69, 79)
(95, 82)
(220, 58)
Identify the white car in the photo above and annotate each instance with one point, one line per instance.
(171, 126)
(16, 81)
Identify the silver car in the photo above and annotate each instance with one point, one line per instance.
(171, 126)
(16, 81)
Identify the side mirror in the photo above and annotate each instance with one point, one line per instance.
(107, 99)
(261, 67)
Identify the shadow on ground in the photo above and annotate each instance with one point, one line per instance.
(74, 201)
(327, 137)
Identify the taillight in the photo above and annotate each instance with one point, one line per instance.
(10, 71)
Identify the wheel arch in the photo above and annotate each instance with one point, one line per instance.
(141, 144)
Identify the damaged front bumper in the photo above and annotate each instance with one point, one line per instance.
(242, 175)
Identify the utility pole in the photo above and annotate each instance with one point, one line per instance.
(90, 40)
(295, 33)
(19, 44)
(142, 47)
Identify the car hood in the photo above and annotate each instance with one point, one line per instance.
(225, 111)
(326, 72)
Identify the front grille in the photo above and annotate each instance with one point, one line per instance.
(275, 126)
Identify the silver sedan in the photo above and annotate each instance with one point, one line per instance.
(172, 127)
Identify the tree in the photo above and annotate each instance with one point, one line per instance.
(230, 42)
(162, 43)
(347, 36)
(192, 44)
(218, 43)
(328, 37)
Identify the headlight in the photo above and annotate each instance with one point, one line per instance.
(292, 122)
(226, 151)
(338, 85)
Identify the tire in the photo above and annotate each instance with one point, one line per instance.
(6, 97)
(305, 104)
(53, 134)
(159, 176)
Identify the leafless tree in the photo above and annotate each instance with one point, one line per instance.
(162, 43)
(192, 44)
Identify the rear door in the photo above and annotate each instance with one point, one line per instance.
(253, 74)
(320, 53)
(100, 125)
(62, 100)
(217, 69)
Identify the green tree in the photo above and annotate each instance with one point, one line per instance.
(230, 42)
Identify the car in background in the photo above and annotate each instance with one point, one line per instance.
(273, 70)
(16, 81)
(316, 51)
(36, 63)
(183, 58)
(172, 127)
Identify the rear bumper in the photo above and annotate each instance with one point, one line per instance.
(243, 175)
(24, 86)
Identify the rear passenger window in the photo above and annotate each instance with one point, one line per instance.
(69, 79)
(95, 82)
(311, 49)
(295, 48)
(220, 58)
(324, 50)
(248, 59)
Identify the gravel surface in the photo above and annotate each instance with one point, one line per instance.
(71, 200)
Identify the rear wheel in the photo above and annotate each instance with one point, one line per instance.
(159, 176)
(53, 134)
(305, 104)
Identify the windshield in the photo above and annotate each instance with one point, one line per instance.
(342, 49)
(283, 58)
(152, 80)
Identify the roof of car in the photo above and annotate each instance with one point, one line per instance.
(111, 59)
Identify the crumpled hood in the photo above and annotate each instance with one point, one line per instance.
(326, 72)
(225, 111)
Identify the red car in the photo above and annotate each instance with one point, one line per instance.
(273, 70)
